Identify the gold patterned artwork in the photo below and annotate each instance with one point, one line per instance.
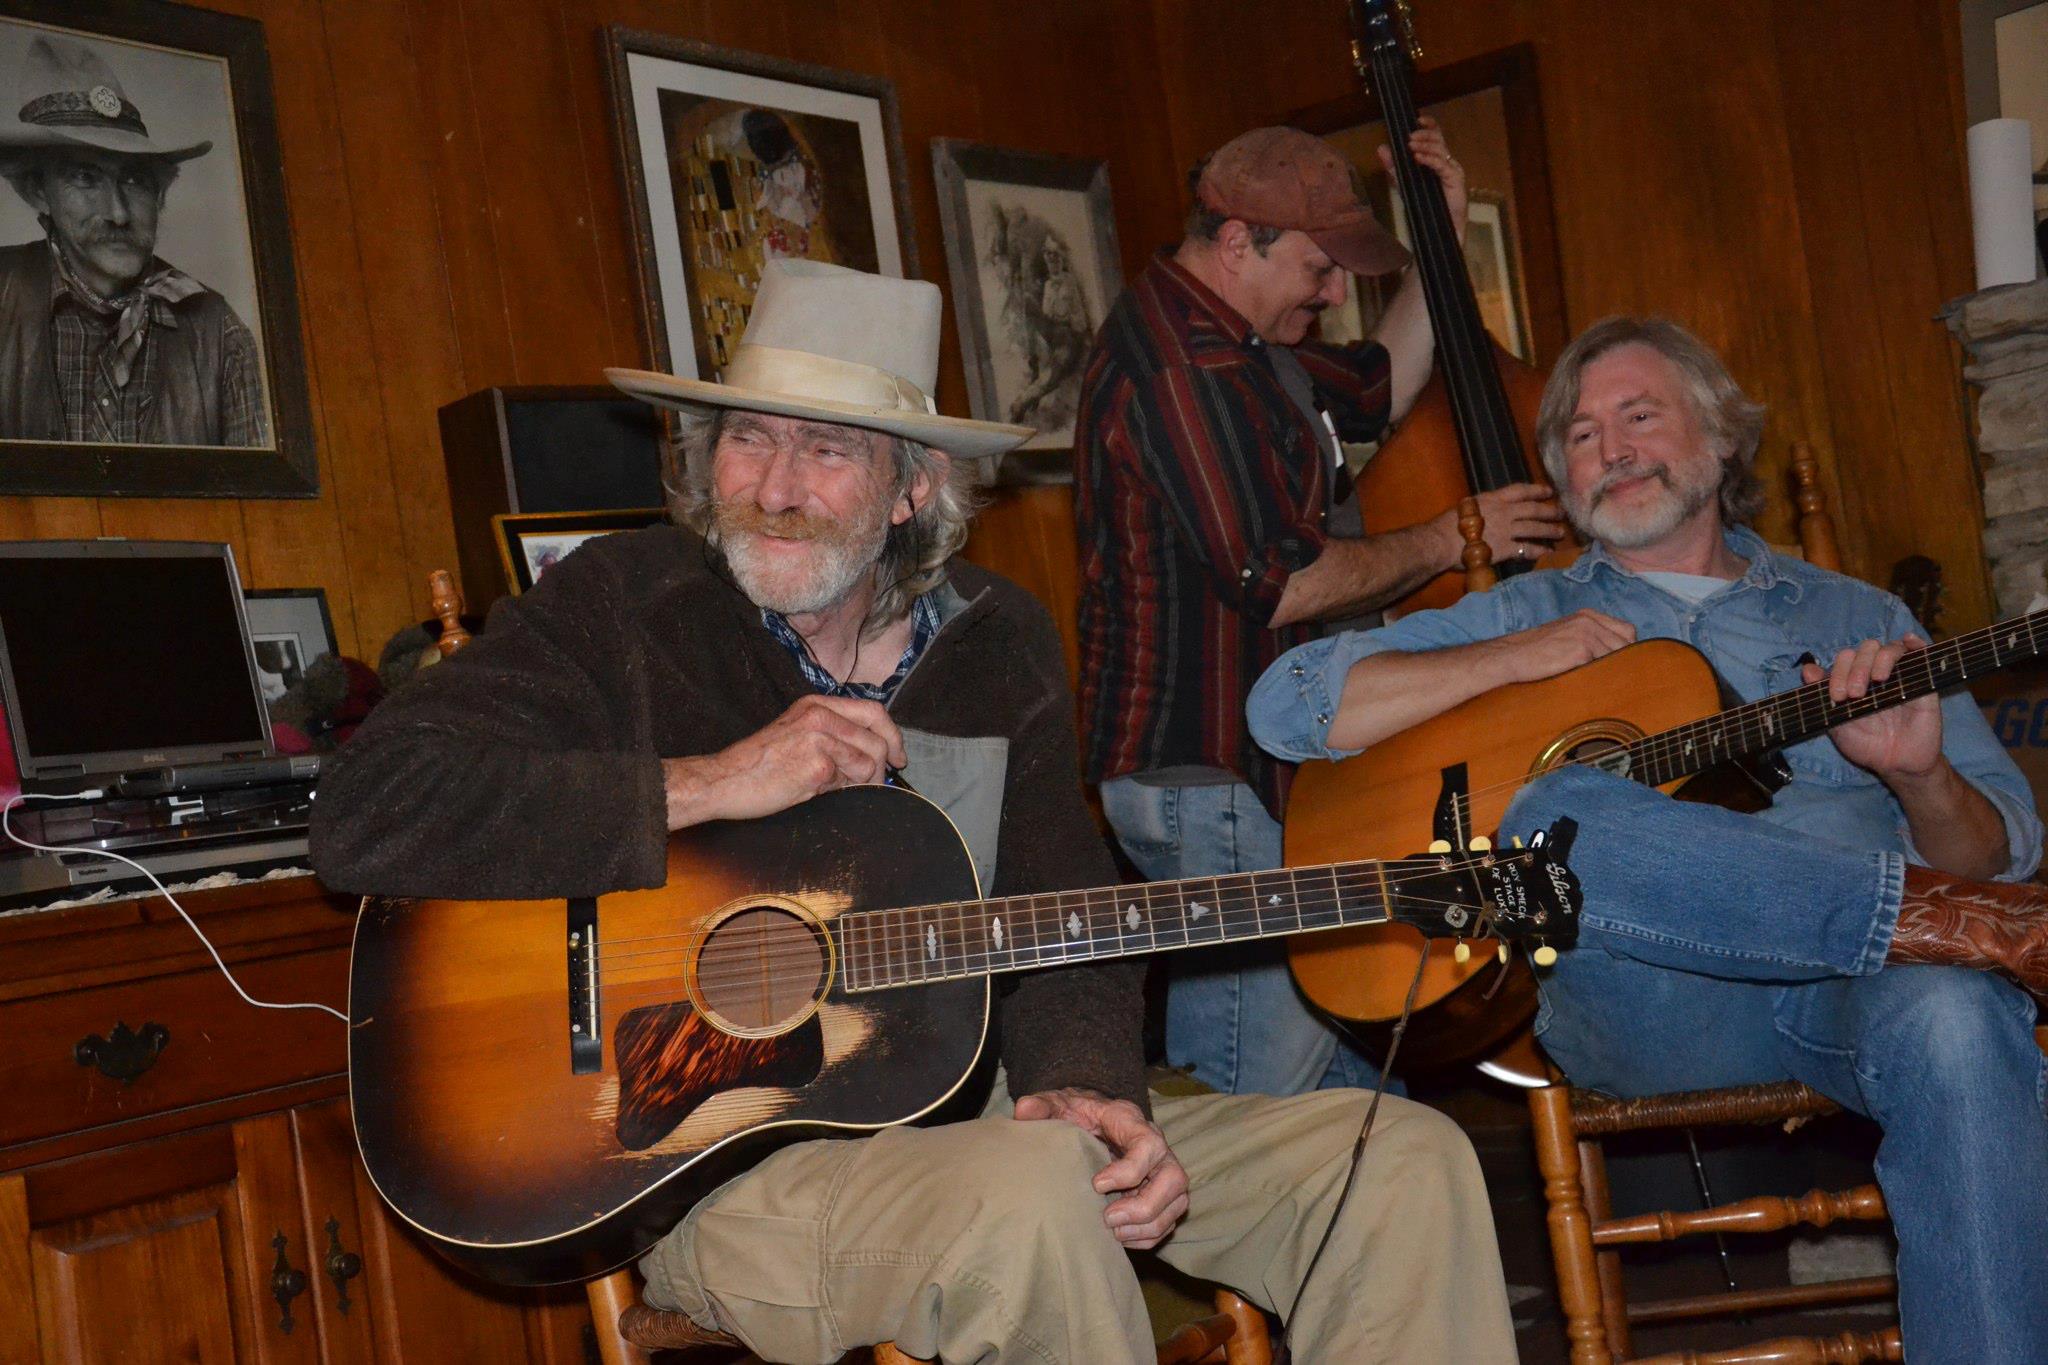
(751, 185)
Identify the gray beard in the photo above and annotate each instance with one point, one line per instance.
(1648, 527)
(840, 572)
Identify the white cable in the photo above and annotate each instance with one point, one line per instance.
(7, 826)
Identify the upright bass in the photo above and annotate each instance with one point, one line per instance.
(1467, 434)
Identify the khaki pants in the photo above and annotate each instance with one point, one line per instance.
(984, 1241)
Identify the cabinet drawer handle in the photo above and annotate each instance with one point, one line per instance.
(286, 1283)
(123, 1054)
(343, 1265)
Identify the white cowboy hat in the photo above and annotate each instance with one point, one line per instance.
(70, 98)
(837, 345)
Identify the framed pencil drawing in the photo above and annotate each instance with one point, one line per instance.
(1031, 250)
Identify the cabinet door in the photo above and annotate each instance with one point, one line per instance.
(413, 1306)
(186, 1276)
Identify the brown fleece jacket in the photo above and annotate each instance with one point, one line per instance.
(529, 764)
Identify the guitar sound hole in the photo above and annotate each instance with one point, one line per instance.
(1587, 750)
(761, 969)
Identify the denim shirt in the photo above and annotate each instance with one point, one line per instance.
(1754, 631)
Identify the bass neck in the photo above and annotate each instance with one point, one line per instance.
(1806, 712)
(1487, 435)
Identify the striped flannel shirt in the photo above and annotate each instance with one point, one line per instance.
(1199, 487)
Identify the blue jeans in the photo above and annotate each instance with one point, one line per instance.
(1719, 949)
(1233, 1012)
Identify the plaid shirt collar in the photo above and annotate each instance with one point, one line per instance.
(132, 314)
(924, 624)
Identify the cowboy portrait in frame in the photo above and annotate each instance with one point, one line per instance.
(149, 330)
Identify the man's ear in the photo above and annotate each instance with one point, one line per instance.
(1233, 244)
(923, 484)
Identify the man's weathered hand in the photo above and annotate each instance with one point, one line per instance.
(1555, 646)
(1146, 1174)
(818, 745)
(1522, 522)
(1899, 744)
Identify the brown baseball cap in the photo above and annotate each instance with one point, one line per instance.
(1285, 178)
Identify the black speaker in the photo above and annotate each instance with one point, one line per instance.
(542, 449)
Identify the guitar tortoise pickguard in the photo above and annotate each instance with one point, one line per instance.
(671, 1059)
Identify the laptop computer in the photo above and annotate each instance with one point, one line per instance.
(127, 668)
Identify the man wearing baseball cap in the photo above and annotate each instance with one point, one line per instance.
(1216, 532)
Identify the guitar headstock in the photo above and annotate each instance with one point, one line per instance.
(1517, 895)
(1379, 25)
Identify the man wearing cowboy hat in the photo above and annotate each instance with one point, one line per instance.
(99, 339)
(1216, 531)
(809, 631)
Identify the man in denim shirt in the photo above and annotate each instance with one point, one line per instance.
(1773, 935)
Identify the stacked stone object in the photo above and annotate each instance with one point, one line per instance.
(2004, 334)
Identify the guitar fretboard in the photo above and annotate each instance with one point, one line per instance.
(1792, 717)
(904, 947)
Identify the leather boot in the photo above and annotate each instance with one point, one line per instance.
(1993, 926)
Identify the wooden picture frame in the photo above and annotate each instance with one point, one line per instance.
(1502, 84)
(731, 158)
(1032, 254)
(530, 542)
(185, 76)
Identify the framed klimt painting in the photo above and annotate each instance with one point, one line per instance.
(733, 159)
(1031, 248)
(149, 324)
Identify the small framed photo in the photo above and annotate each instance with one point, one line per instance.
(733, 159)
(1031, 249)
(289, 628)
(152, 348)
(531, 543)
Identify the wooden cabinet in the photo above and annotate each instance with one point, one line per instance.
(178, 1178)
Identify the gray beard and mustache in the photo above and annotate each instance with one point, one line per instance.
(845, 553)
(1631, 531)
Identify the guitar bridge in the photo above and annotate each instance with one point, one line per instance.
(586, 1041)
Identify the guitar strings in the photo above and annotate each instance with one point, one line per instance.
(624, 991)
(1969, 652)
(1229, 903)
(798, 945)
(1343, 876)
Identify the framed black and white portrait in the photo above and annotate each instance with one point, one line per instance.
(1031, 250)
(733, 159)
(149, 327)
(289, 628)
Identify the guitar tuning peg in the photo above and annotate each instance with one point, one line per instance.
(1461, 952)
(1439, 845)
(1544, 956)
(1479, 843)
(1502, 954)
(1515, 839)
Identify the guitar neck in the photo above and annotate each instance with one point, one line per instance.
(1806, 712)
(879, 949)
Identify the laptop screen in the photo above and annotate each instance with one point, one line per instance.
(119, 655)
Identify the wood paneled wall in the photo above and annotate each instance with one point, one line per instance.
(1783, 176)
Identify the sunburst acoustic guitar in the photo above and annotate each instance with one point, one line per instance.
(1651, 712)
(543, 1088)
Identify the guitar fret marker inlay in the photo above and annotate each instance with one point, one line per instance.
(931, 942)
(1131, 917)
(995, 932)
(1074, 924)
(1196, 909)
